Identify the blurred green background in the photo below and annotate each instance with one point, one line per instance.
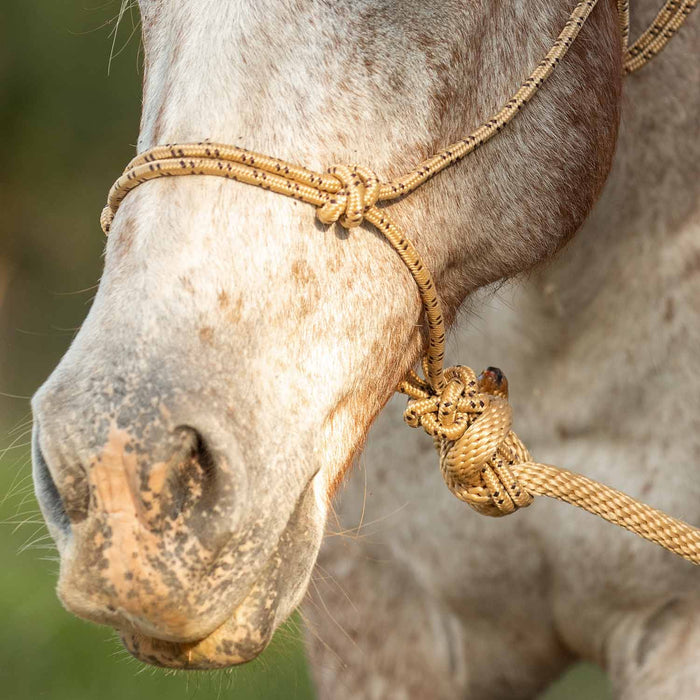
(70, 89)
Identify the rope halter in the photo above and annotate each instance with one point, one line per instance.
(482, 460)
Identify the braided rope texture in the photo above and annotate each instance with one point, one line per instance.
(483, 462)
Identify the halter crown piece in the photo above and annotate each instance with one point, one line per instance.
(483, 462)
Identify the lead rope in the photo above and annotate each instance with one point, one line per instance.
(483, 462)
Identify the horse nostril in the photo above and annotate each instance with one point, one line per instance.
(46, 490)
(174, 479)
(193, 480)
(197, 449)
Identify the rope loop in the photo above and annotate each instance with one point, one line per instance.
(360, 189)
(470, 423)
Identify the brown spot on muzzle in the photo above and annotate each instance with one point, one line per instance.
(308, 288)
(223, 299)
(206, 335)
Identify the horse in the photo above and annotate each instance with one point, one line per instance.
(189, 446)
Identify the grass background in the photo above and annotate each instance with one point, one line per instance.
(69, 120)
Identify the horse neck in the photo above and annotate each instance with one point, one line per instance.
(620, 302)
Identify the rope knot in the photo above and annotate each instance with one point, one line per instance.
(470, 423)
(359, 190)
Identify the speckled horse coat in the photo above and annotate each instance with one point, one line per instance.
(188, 447)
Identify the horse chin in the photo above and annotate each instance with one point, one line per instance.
(237, 641)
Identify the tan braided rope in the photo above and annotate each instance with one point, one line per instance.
(623, 15)
(482, 460)
(660, 32)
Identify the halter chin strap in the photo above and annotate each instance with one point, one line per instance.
(482, 461)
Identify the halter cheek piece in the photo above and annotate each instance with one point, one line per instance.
(482, 460)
